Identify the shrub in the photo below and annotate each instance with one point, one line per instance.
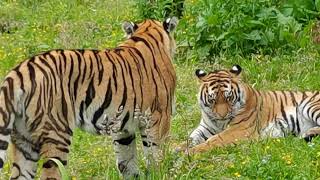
(246, 26)
(239, 26)
(154, 9)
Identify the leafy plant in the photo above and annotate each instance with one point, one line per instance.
(302, 10)
(159, 9)
(153, 9)
(317, 4)
(245, 26)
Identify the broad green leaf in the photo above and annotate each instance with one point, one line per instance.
(287, 11)
(253, 35)
(283, 19)
(270, 36)
(256, 22)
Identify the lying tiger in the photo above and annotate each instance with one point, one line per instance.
(233, 111)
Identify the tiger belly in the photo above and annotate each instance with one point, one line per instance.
(297, 125)
(275, 129)
(111, 120)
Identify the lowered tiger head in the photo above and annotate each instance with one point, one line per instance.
(155, 31)
(221, 95)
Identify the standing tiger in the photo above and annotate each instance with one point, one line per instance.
(233, 111)
(116, 91)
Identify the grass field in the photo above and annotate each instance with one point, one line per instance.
(29, 27)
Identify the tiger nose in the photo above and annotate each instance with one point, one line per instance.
(222, 110)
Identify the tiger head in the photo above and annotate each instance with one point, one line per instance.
(161, 32)
(221, 95)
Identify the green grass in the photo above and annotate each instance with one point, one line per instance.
(37, 26)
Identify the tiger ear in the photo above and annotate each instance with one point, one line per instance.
(170, 24)
(200, 73)
(129, 28)
(236, 69)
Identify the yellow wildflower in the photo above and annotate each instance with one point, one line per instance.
(231, 165)
(287, 158)
(237, 174)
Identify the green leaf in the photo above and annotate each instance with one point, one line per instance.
(270, 36)
(201, 22)
(253, 35)
(317, 4)
(255, 22)
(283, 19)
(295, 26)
(287, 11)
(62, 169)
(212, 20)
(222, 36)
(43, 46)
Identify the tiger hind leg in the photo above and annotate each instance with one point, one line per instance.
(311, 133)
(25, 158)
(56, 149)
(151, 150)
(153, 134)
(4, 143)
(125, 148)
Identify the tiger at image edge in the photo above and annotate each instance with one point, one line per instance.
(232, 111)
(110, 92)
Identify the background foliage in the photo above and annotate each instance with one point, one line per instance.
(241, 27)
(275, 41)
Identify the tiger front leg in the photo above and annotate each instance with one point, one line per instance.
(25, 156)
(25, 160)
(151, 149)
(190, 142)
(232, 135)
(198, 136)
(126, 154)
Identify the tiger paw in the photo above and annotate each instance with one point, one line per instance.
(180, 147)
(309, 136)
(311, 133)
(201, 148)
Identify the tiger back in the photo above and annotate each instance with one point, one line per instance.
(233, 111)
(110, 91)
